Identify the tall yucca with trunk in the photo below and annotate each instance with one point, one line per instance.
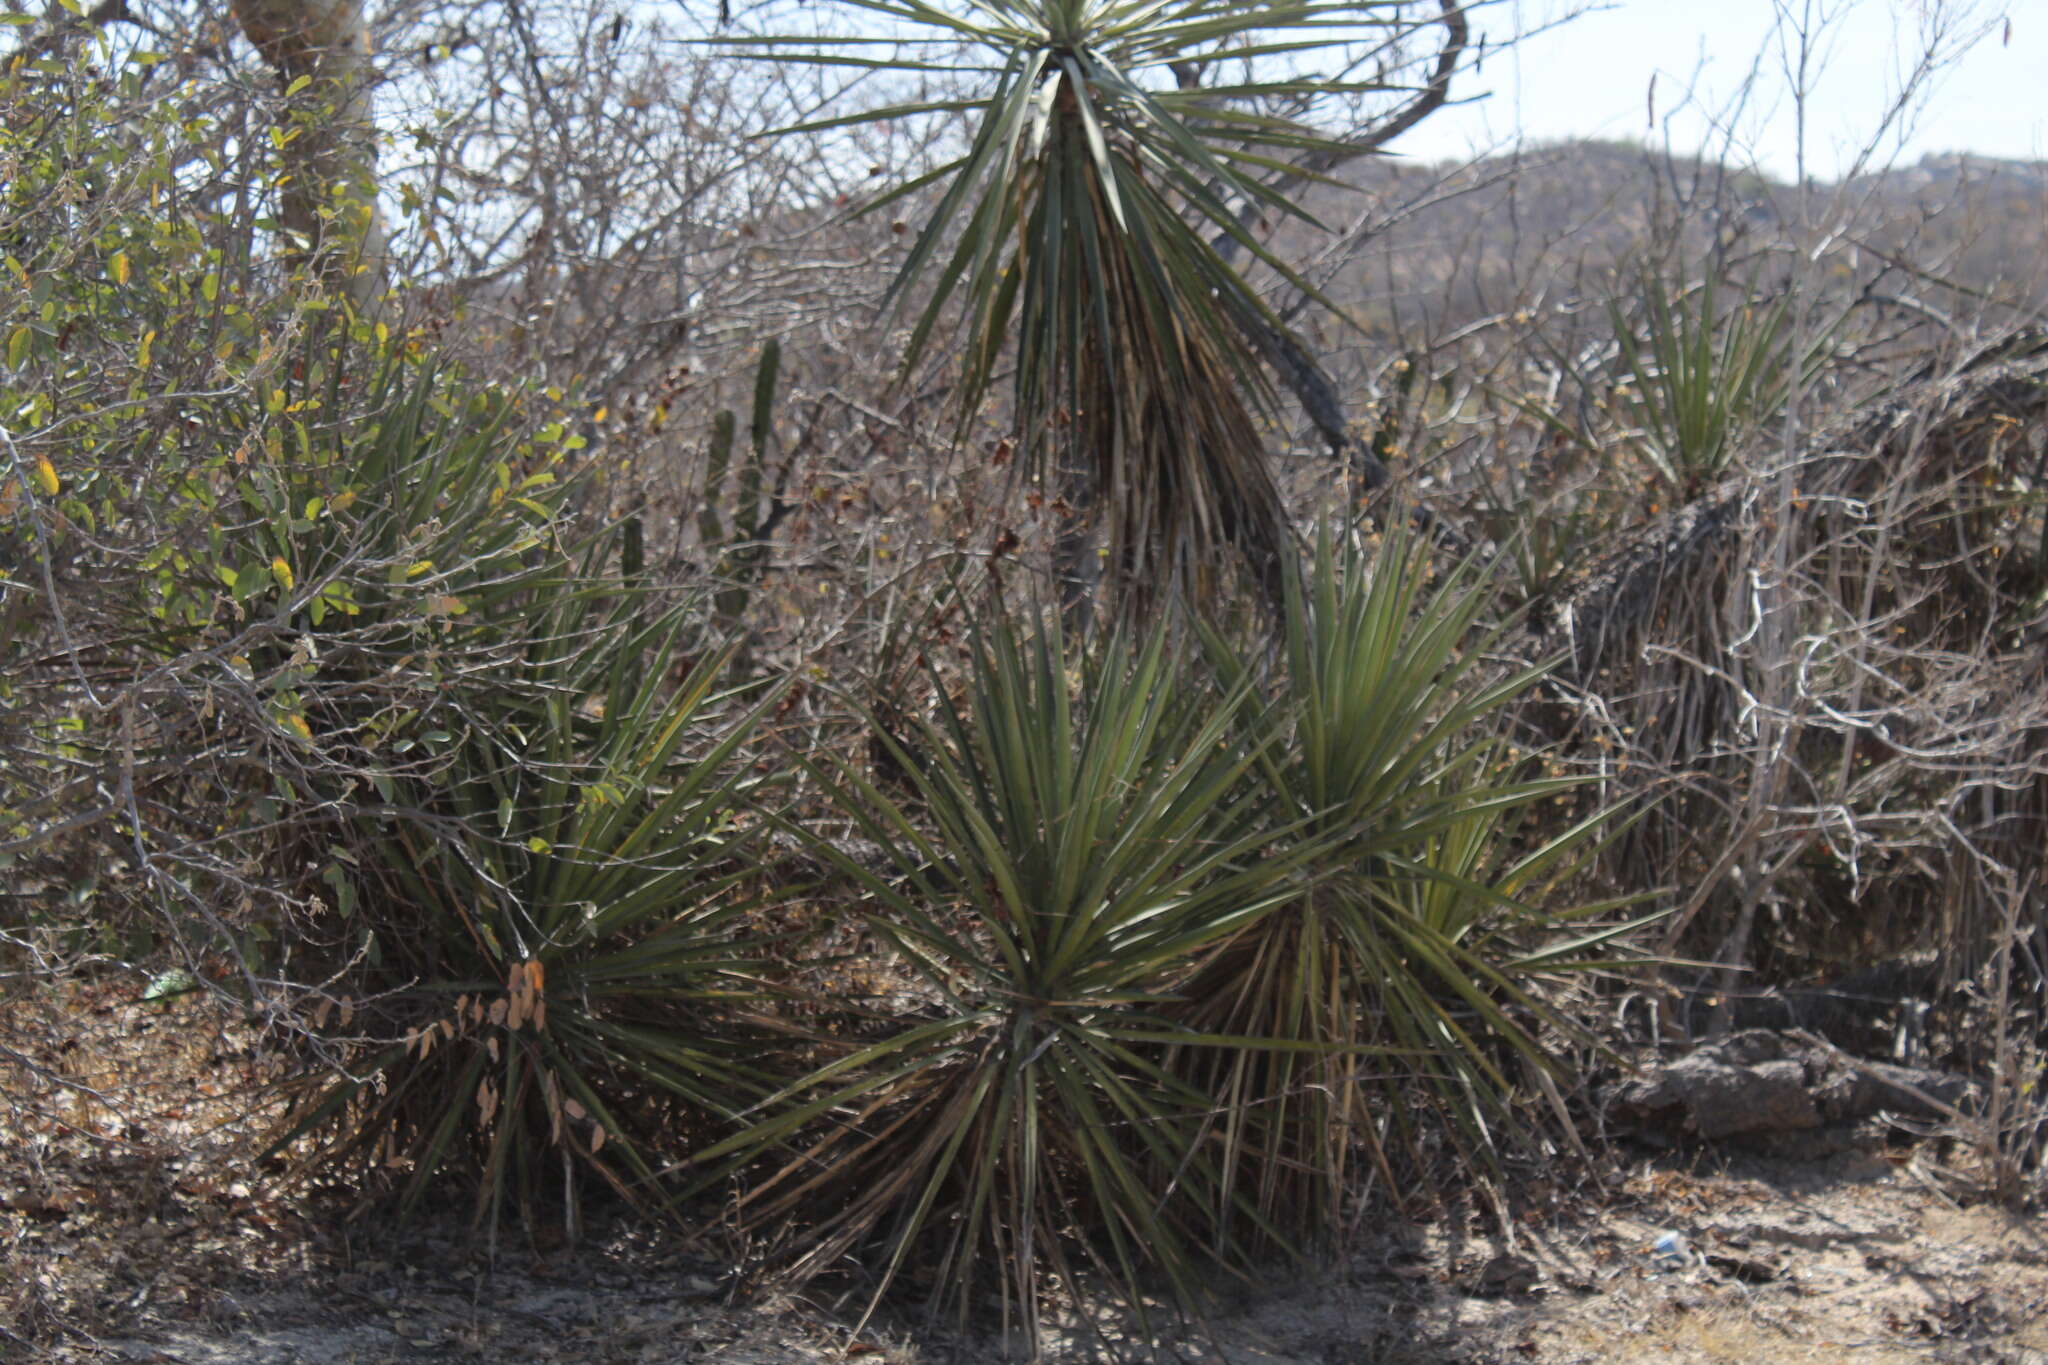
(1077, 235)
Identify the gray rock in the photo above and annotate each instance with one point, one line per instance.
(1873, 1087)
(1743, 1084)
(1760, 1081)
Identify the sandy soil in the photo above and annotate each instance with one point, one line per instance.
(131, 1231)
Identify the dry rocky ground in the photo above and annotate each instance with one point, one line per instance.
(129, 1231)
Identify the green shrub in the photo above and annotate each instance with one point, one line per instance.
(135, 353)
(311, 677)
(326, 611)
(523, 790)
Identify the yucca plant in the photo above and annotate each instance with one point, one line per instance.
(1399, 974)
(1697, 377)
(1080, 837)
(1076, 234)
(561, 912)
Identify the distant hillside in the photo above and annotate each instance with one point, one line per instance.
(1439, 246)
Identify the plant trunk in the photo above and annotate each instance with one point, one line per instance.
(329, 195)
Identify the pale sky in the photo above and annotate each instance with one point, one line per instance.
(1591, 77)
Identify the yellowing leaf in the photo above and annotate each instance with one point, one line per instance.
(118, 267)
(282, 572)
(297, 724)
(46, 477)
